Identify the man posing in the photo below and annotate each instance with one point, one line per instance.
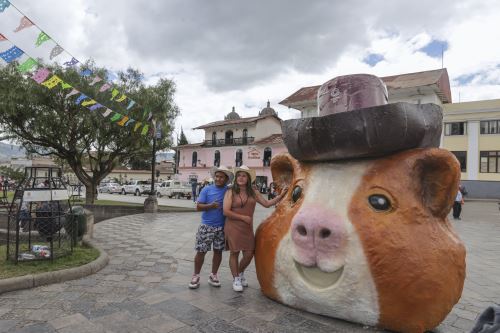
(211, 230)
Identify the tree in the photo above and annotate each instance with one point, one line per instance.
(182, 139)
(45, 122)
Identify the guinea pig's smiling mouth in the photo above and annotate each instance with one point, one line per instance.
(318, 278)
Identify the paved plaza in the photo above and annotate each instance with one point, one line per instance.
(144, 286)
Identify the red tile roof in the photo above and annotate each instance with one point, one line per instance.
(438, 77)
(270, 140)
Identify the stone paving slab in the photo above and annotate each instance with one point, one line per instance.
(144, 286)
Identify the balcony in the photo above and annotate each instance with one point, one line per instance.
(229, 142)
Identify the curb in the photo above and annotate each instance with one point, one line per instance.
(36, 280)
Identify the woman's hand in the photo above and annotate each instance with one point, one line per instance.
(247, 219)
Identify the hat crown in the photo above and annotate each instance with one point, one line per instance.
(351, 92)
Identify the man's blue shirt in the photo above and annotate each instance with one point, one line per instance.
(209, 194)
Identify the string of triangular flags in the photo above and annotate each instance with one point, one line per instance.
(106, 86)
(46, 78)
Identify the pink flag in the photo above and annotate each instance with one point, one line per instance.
(2, 38)
(95, 80)
(72, 92)
(25, 23)
(40, 75)
(105, 87)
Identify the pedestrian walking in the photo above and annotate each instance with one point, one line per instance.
(457, 205)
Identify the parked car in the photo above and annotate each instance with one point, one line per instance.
(174, 189)
(110, 188)
(137, 187)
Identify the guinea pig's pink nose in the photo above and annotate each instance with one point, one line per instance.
(318, 235)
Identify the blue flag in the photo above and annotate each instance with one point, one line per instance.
(11, 54)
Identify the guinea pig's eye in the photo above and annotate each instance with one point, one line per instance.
(297, 193)
(379, 202)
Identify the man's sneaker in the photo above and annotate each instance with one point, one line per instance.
(213, 280)
(244, 282)
(195, 282)
(237, 284)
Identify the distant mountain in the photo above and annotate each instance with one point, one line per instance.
(7, 151)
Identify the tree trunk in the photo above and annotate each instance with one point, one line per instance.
(90, 193)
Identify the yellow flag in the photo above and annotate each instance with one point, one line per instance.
(122, 98)
(52, 81)
(137, 126)
(89, 102)
(123, 121)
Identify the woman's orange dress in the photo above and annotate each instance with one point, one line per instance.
(239, 234)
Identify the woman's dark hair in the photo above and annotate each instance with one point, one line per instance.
(236, 187)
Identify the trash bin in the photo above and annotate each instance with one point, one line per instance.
(76, 223)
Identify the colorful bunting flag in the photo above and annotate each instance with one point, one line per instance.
(95, 80)
(114, 93)
(27, 65)
(40, 75)
(122, 98)
(11, 54)
(65, 85)
(42, 38)
(105, 87)
(115, 117)
(130, 105)
(24, 23)
(123, 121)
(72, 92)
(90, 102)
(57, 50)
(111, 76)
(145, 130)
(137, 126)
(106, 113)
(130, 121)
(52, 82)
(95, 107)
(80, 98)
(70, 63)
(2, 38)
(86, 72)
(3, 5)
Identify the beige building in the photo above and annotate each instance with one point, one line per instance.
(472, 132)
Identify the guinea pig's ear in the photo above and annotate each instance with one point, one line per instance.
(437, 175)
(284, 168)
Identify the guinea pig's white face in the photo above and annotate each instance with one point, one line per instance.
(320, 264)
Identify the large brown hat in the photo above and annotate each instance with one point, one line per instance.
(355, 121)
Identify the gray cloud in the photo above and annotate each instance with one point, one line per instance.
(236, 44)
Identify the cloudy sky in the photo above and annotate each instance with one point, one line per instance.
(243, 53)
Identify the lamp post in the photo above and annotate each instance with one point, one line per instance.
(151, 202)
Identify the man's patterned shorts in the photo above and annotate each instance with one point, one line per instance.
(207, 235)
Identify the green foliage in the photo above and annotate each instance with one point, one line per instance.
(11, 173)
(182, 139)
(47, 123)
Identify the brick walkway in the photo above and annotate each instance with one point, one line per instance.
(143, 289)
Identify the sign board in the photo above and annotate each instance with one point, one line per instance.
(45, 195)
(253, 153)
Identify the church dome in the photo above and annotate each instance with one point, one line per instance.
(268, 111)
(232, 115)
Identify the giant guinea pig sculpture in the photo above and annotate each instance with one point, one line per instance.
(362, 234)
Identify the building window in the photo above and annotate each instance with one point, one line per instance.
(462, 158)
(195, 159)
(490, 161)
(457, 128)
(239, 158)
(217, 158)
(267, 156)
(490, 127)
(229, 137)
(214, 138)
(245, 135)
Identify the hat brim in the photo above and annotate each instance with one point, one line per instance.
(251, 172)
(362, 133)
(228, 173)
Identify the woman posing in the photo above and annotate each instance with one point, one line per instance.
(239, 207)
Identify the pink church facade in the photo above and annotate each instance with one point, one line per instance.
(232, 142)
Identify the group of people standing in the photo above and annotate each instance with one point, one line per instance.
(227, 209)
